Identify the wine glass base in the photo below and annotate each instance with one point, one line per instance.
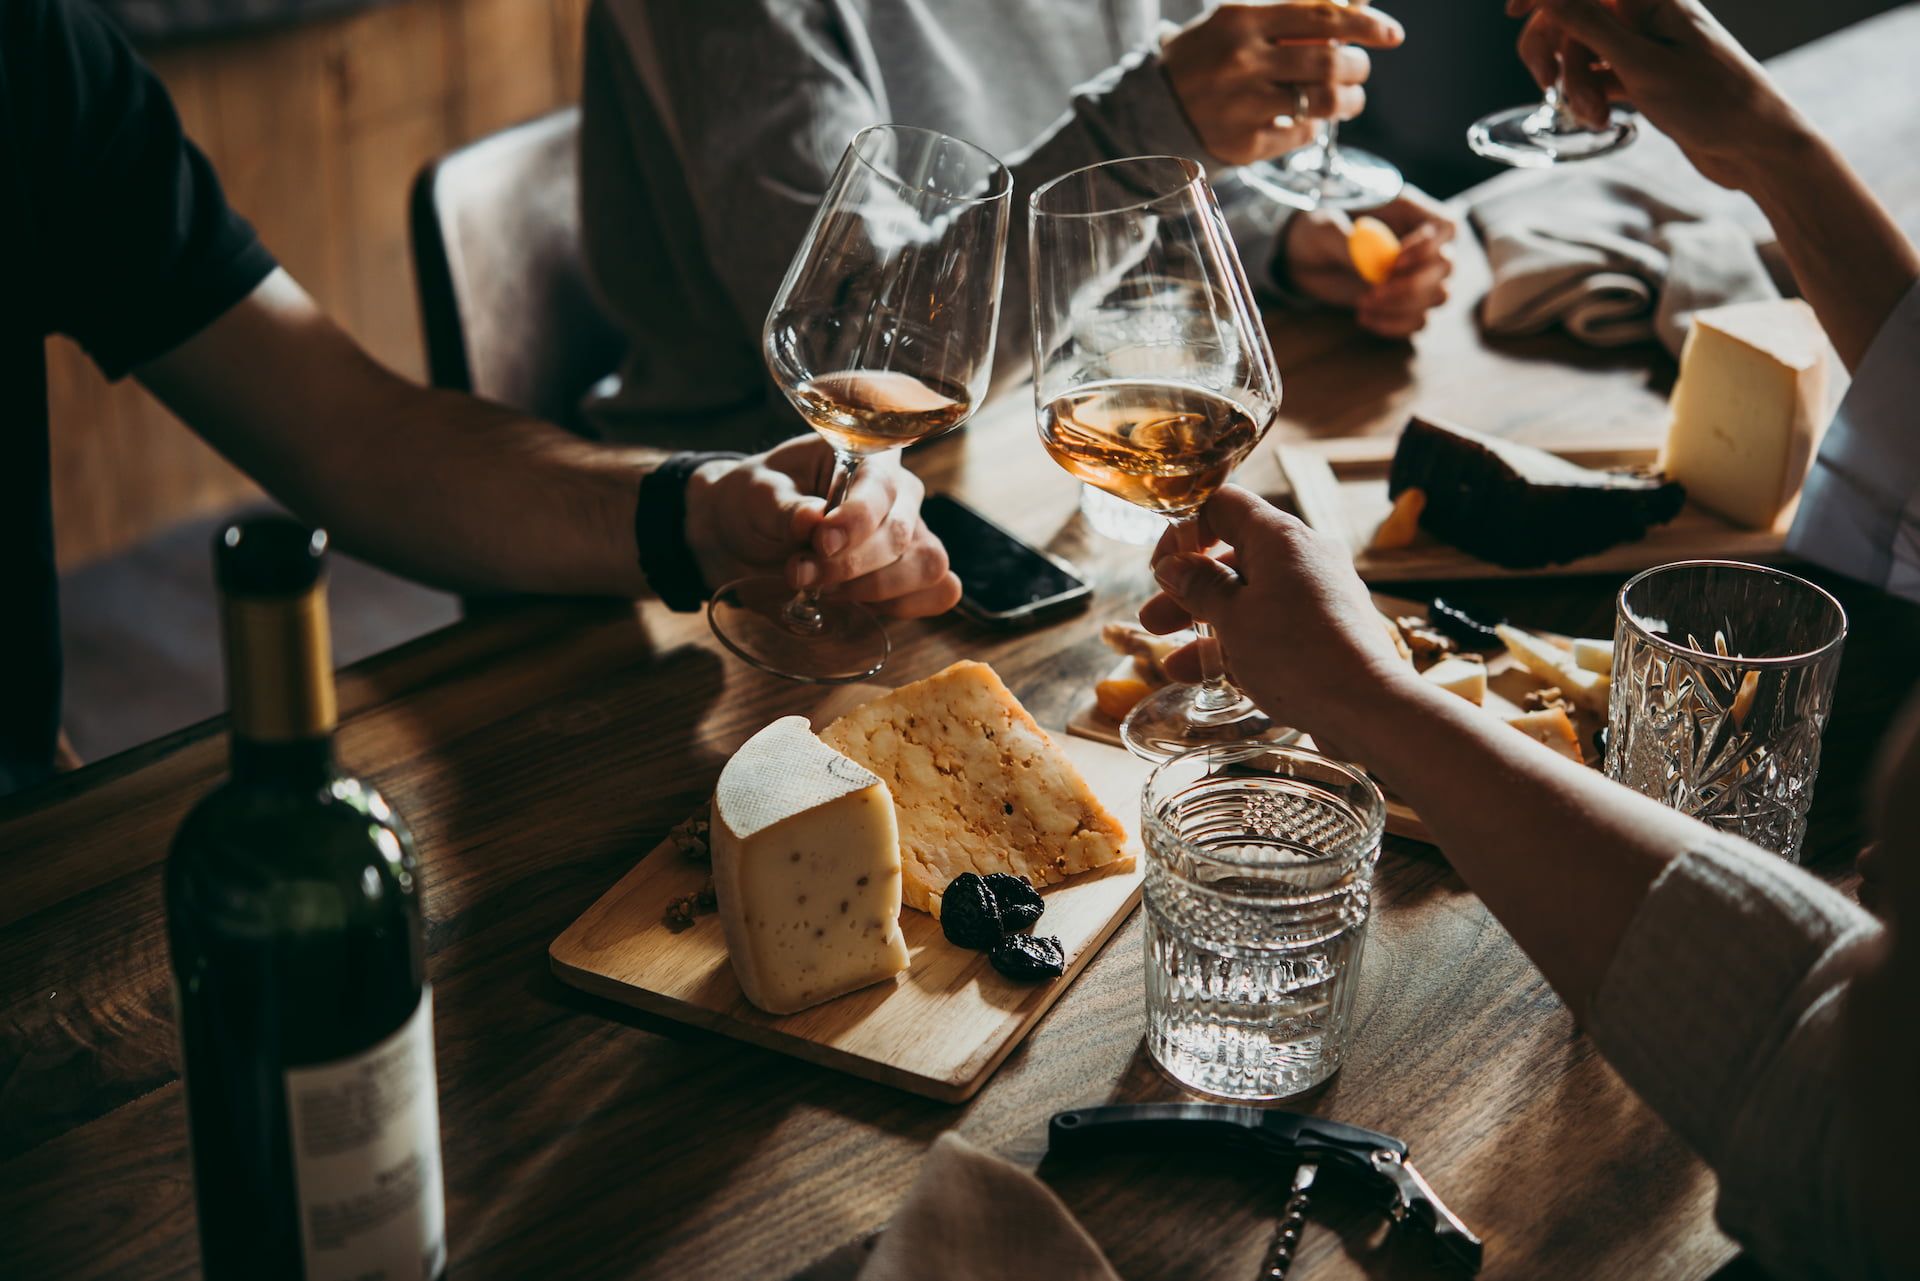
(1302, 178)
(1533, 137)
(750, 617)
(1171, 721)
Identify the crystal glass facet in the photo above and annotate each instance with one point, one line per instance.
(1723, 679)
(1258, 890)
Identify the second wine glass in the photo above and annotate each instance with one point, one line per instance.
(1152, 379)
(881, 335)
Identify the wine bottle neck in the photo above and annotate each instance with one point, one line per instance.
(291, 763)
(279, 669)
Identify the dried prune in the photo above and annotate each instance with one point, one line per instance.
(1019, 903)
(968, 914)
(1452, 621)
(1026, 958)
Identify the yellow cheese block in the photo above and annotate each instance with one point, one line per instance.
(1748, 408)
(977, 785)
(1460, 675)
(806, 870)
(1551, 727)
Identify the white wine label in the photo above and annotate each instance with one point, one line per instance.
(366, 1159)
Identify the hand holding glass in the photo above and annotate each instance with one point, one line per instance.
(1152, 378)
(881, 335)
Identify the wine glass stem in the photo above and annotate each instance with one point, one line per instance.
(1329, 133)
(802, 613)
(1563, 118)
(1215, 692)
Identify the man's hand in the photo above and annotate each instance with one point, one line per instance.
(768, 514)
(1675, 62)
(1314, 257)
(1295, 621)
(1241, 67)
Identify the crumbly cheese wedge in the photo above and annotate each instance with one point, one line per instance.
(1594, 655)
(977, 785)
(806, 870)
(1552, 727)
(1588, 690)
(1748, 408)
(1460, 675)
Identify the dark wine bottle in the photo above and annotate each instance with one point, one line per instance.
(293, 920)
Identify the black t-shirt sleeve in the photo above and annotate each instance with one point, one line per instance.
(138, 249)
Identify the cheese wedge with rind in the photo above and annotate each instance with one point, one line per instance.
(1748, 408)
(806, 870)
(978, 786)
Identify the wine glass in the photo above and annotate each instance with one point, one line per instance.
(1152, 379)
(1547, 133)
(881, 335)
(1323, 174)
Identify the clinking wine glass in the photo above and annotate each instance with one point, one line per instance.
(1323, 174)
(1152, 379)
(1548, 133)
(881, 336)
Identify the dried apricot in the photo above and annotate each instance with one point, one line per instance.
(1117, 697)
(1374, 249)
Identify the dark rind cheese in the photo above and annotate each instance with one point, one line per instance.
(1521, 507)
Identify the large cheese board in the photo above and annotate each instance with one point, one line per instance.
(939, 1029)
(1340, 488)
(1508, 687)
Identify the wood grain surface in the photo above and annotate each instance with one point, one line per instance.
(1345, 495)
(538, 755)
(940, 1029)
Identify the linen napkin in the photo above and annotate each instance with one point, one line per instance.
(1609, 260)
(971, 1216)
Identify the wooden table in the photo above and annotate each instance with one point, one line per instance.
(538, 755)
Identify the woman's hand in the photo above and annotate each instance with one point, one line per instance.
(768, 514)
(1241, 68)
(1675, 62)
(1315, 257)
(1298, 626)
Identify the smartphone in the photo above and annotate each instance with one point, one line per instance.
(1003, 581)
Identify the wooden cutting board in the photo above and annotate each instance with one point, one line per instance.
(1507, 684)
(939, 1030)
(1340, 487)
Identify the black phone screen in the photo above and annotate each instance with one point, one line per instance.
(998, 573)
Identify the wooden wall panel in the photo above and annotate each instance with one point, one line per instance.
(317, 131)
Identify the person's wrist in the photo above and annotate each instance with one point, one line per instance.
(1377, 706)
(677, 529)
(1774, 152)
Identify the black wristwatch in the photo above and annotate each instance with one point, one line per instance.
(660, 532)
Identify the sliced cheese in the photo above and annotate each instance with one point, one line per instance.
(1460, 675)
(1552, 727)
(1748, 408)
(977, 785)
(1594, 655)
(1587, 690)
(806, 870)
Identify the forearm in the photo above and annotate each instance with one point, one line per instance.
(474, 497)
(1558, 853)
(435, 485)
(1849, 256)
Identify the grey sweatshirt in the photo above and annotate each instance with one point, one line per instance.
(1721, 1009)
(713, 126)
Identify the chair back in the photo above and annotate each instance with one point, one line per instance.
(504, 300)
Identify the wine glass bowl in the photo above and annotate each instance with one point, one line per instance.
(881, 336)
(1153, 378)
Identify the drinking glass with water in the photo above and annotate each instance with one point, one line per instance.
(1258, 889)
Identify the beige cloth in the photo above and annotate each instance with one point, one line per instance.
(1608, 260)
(971, 1216)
